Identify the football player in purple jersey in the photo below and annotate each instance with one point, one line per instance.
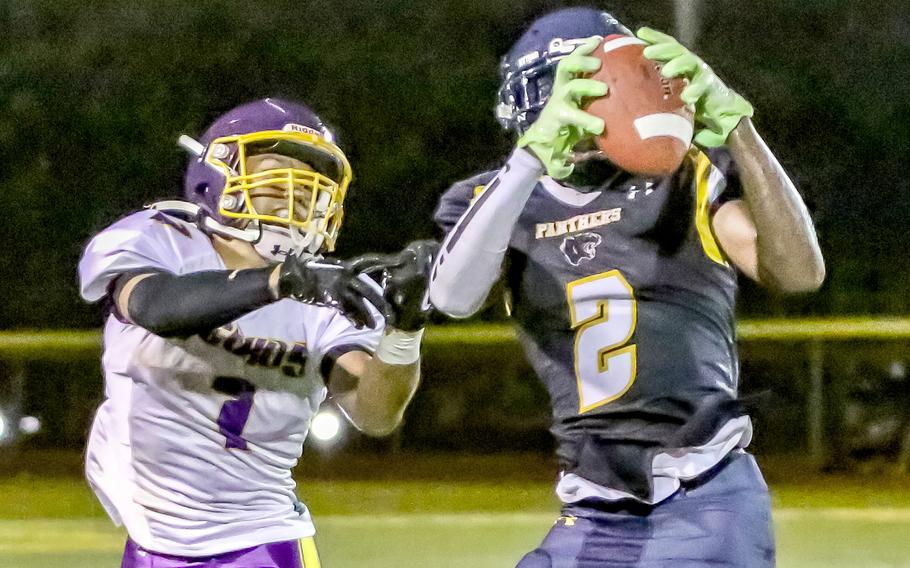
(227, 329)
(622, 291)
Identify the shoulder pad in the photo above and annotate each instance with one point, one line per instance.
(456, 200)
(145, 239)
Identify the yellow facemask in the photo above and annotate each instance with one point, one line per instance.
(320, 191)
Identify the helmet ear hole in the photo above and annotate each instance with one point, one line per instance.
(200, 189)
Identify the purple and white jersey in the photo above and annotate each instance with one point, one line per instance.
(193, 447)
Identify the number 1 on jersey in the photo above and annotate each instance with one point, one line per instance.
(234, 413)
(603, 311)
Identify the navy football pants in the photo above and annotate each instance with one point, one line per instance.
(721, 520)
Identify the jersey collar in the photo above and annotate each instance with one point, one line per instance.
(567, 195)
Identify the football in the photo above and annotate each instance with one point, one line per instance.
(648, 127)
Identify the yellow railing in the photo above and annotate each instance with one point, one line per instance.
(815, 332)
(34, 342)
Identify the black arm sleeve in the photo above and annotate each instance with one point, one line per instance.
(172, 305)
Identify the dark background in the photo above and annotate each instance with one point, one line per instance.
(94, 95)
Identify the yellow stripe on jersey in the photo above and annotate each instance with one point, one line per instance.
(478, 191)
(308, 555)
(703, 169)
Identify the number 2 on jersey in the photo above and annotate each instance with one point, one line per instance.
(603, 313)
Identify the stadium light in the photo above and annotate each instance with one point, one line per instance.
(13, 426)
(326, 427)
(29, 425)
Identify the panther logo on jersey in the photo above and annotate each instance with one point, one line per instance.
(580, 247)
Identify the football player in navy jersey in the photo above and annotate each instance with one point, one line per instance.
(623, 291)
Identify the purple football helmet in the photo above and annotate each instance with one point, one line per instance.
(527, 71)
(223, 182)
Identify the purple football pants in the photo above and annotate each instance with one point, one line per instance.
(723, 519)
(288, 554)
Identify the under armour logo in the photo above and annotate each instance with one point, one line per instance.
(634, 189)
(580, 247)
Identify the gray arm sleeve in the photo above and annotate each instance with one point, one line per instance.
(471, 256)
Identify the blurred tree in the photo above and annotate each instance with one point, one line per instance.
(93, 96)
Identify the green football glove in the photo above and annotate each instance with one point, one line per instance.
(718, 108)
(562, 124)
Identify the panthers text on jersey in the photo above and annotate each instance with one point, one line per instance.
(193, 446)
(625, 308)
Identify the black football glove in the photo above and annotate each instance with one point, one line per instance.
(330, 283)
(404, 277)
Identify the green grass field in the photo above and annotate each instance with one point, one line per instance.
(825, 522)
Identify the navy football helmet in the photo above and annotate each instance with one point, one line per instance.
(529, 68)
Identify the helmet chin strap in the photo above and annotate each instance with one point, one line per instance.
(271, 242)
(276, 243)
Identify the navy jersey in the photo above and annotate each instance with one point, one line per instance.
(625, 308)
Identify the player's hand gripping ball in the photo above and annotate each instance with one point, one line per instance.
(562, 124)
(718, 108)
(648, 126)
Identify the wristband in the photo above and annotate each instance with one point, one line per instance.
(399, 347)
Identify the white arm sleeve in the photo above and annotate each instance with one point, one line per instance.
(471, 256)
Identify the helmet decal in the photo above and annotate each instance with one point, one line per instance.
(291, 127)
